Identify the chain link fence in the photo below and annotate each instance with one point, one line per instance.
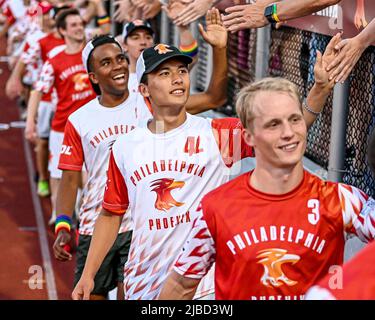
(292, 55)
(361, 120)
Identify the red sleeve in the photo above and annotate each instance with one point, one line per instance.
(116, 198)
(71, 155)
(9, 15)
(228, 134)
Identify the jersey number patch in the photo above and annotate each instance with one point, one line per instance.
(66, 150)
(314, 215)
(192, 145)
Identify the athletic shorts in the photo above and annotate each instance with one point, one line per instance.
(54, 145)
(111, 272)
(46, 110)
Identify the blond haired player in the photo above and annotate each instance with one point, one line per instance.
(276, 230)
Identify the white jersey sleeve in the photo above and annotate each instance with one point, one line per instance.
(358, 210)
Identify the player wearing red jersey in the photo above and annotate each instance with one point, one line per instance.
(276, 230)
(67, 74)
(356, 278)
(39, 117)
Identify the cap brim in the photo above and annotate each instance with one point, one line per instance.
(183, 57)
(140, 27)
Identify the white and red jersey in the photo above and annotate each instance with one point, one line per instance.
(38, 50)
(163, 177)
(274, 246)
(133, 83)
(68, 75)
(355, 281)
(88, 138)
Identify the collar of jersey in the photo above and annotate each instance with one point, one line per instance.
(171, 133)
(274, 197)
(113, 109)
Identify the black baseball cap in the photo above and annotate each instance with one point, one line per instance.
(136, 24)
(153, 57)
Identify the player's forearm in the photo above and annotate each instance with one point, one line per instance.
(217, 88)
(316, 100)
(215, 95)
(367, 36)
(101, 12)
(105, 233)
(291, 9)
(177, 287)
(186, 40)
(67, 193)
(18, 71)
(32, 106)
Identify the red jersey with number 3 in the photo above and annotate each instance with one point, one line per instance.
(274, 246)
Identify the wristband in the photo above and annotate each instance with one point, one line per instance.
(274, 13)
(103, 20)
(190, 50)
(63, 222)
(307, 108)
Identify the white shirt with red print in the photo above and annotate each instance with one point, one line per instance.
(273, 247)
(162, 178)
(88, 138)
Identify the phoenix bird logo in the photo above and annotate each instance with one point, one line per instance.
(163, 187)
(272, 261)
(80, 81)
(162, 48)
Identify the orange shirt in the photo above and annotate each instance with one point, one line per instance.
(273, 246)
(355, 280)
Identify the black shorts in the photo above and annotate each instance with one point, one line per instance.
(111, 272)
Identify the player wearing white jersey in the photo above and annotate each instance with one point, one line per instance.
(88, 138)
(158, 233)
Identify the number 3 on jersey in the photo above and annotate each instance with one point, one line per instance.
(192, 145)
(313, 215)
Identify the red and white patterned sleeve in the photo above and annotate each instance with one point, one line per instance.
(198, 253)
(31, 53)
(358, 210)
(116, 198)
(47, 78)
(229, 138)
(71, 155)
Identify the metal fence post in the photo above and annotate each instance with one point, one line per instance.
(337, 146)
(164, 28)
(262, 52)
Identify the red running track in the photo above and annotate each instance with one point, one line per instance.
(28, 269)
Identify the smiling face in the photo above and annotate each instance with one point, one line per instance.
(75, 30)
(168, 85)
(109, 69)
(277, 130)
(136, 42)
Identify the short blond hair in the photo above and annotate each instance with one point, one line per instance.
(245, 98)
